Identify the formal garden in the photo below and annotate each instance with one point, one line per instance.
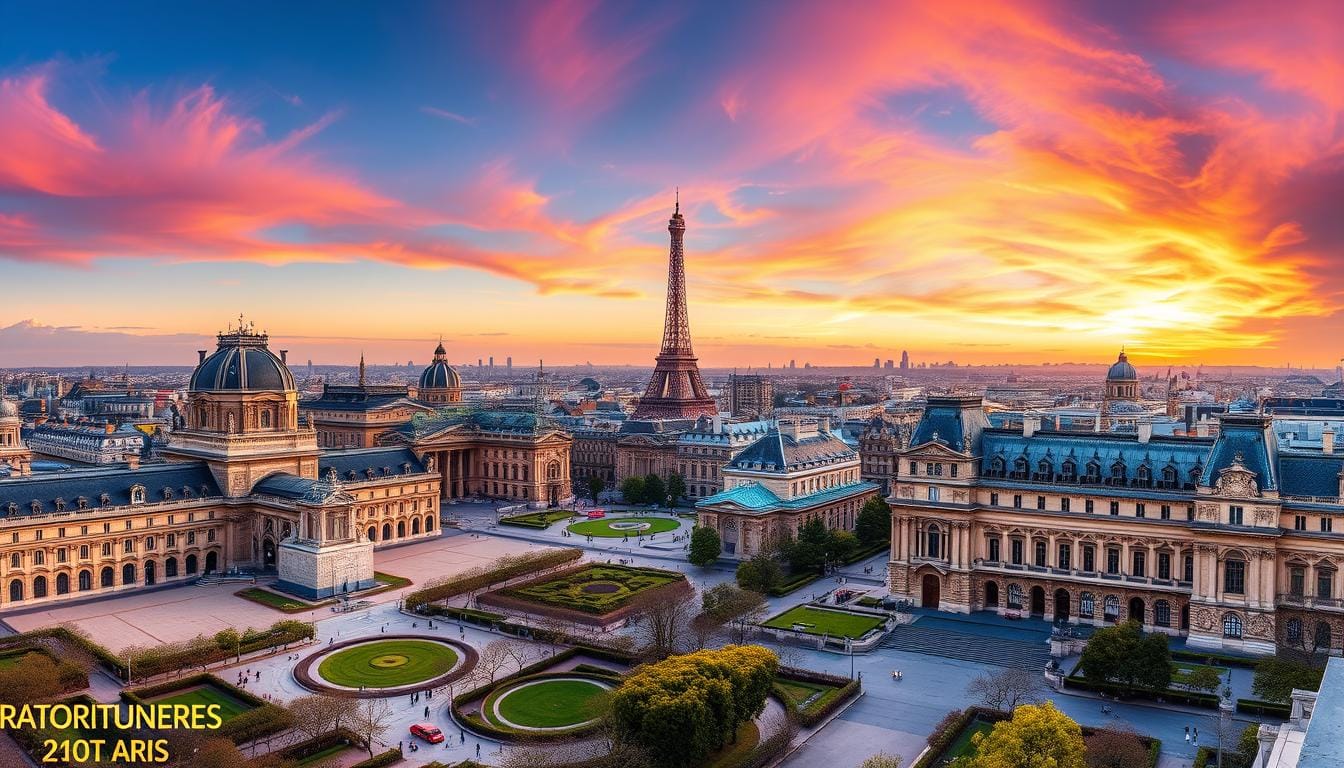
(624, 527)
(813, 620)
(556, 702)
(386, 665)
(590, 593)
(246, 717)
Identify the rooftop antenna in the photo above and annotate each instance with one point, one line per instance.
(678, 194)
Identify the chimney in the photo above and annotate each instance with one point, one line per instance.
(718, 423)
(132, 461)
(1328, 441)
(1145, 431)
(200, 353)
(824, 424)
(284, 356)
(1029, 425)
(1202, 428)
(109, 428)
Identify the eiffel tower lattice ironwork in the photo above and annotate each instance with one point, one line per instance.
(676, 390)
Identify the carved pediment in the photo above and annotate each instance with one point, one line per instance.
(932, 450)
(1236, 481)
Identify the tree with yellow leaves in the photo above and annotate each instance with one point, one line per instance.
(1037, 736)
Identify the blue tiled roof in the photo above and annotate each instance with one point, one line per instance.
(1108, 451)
(1250, 439)
(284, 485)
(1313, 474)
(524, 422)
(954, 422)
(757, 498)
(368, 463)
(779, 452)
(188, 479)
(1323, 746)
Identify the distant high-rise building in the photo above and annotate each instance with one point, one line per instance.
(751, 396)
(877, 362)
(807, 365)
(508, 362)
(905, 360)
(480, 363)
(793, 363)
(492, 361)
(889, 364)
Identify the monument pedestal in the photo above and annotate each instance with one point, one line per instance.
(315, 571)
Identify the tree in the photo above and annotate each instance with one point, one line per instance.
(808, 553)
(705, 546)
(655, 490)
(873, 524)
(216, 753)
(1005, 689)
(680, 709)
(1115, 748)
(35, 678)
(732, 606)
(663, 620)
(632, 490)
(1275, 678)
(494, 657)
(229, 640)
(596, 486)
(1123, 654)
(840, 546)
(761, 573)
(1202, 678)
(371, 718)
(318, 714)
(1037, 736)
(881, 760)
(676, 489)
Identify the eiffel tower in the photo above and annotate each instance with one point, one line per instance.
(676, 391)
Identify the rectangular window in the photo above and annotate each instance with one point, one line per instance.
(83, 530)
(210, 535)
(1327, 524)
(1088, 506)
(128, 546)
(994, 549)
(1299, 522)
(1234, 514)
(1017, 551)
(1064, 504)
(928, 469)
(38, 534)
(1234, 577)
(1325, 582)
(954, 470)
(1115, 507)
(1297, 581)
(914, 468)
(1064, 558)
(1140, 564)
(1166, 511)
(1112, 560)
(170, 519)
(1189, 568)
(1039, 554)
(993, 499)
(1017, 500)
(1140, 510)
(1089, 558)
(60, 555)
(1040, 502)
(1163, 565)
(60, 533)
(1190, 512)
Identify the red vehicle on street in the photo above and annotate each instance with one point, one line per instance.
(427, 732)
(596, 513)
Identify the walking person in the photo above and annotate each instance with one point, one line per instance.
(426, 712)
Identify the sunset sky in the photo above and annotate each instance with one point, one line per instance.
(1030, 181)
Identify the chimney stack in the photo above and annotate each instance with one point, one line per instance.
(1328, 441)
(109, 428)
(1201, 428)
(1029, 425)
(132, 461)
(1145, 429)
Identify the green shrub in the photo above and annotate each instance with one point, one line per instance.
(507, 567)
(378, 761)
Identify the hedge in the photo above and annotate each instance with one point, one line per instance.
(265, 719)
(789, 586)
(866, 552)
(65, 634)
(509, 567)
(1215, 659)
(1207, 700)
(1261, 707)
(318, 743)
(377, 761)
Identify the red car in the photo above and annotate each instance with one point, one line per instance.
(427, 732)
(596, 513)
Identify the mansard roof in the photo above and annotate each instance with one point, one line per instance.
(780, 452)
(187, 479)
(369, 463)
(755, 497)
(1310, 474)
(954, 421)
(1003, 448)
(1247, 440)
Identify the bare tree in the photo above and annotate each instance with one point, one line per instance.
(1007, 688)
(371, 718)
(318, 714)
(493, 658)
(518, 652)
(557, 631)
(663, 621)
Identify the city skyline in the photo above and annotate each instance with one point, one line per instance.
(988, 183)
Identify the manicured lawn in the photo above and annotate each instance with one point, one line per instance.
(1180, 668)
(278, 601)
(799, 692)
(594, 588)
(603, 528)
(537, 519)
(963, 747)
(822, 622)
(748, 736)
(229, 707)
(387, 663)
(546, 703)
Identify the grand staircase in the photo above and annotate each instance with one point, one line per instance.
(967, 647)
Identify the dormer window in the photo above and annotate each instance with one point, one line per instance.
(351, 475)
(406, 468)
(205, 490)
(1069, 469)
(137, 494)
(82, 502)
(35, 506)
(1093, 472)
(104, 499)
(167, 493)
(187, 493)
(12, 508)
(60, 504)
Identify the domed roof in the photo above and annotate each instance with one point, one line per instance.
(242, 363)
(439, 374)
(1121, 370)
(8, 407)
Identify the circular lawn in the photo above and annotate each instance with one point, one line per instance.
(387, 663)
(546, 704)
(618, 527)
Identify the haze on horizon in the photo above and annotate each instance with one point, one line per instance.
(983, 182)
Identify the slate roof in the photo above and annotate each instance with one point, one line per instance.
(284, 485)
(1309, 474)
(952, 421)
(1251, 439)
(368, 463)
(780, 452)
(757, 498)
(517, 422)
(1004, 451)
(188, 479)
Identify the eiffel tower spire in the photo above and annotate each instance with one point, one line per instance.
(676, 391)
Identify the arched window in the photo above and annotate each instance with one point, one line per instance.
(373, 533)
(429, 524)
(107, 577)
(138, 494)
(128, 574)
(1293, 630)
(1087, 605)
(996, 466)
(1111, 608)
(401, 529)
(16, 560)
(85, 581)
(62, 583)
(170, 567)
(40, 586)
(15, 591)
(387, 531)
(192, 564)
(1162, 613)
(934, 542)
(415, 526)
(1322, 635)
(265, 419)
(1232, 626)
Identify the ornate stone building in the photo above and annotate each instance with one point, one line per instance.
(796, 472)
(1228, 541)
(241, 489)
(15, 457)
(880, 443)
(354, 416)
(1120, 409)
(439, 383)
(703, 451)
